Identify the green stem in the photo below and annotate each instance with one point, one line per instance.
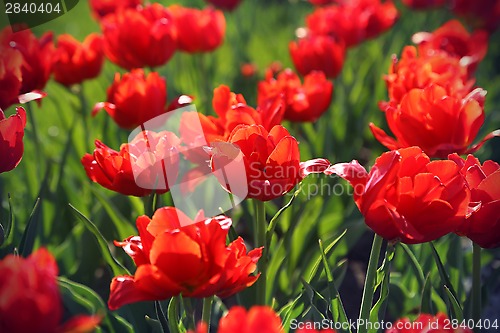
(368, 291)
(36, 137)
(161, 317)
(476, 282)
(150, 204)
(83, 113)
(260, 240)
(207, 310)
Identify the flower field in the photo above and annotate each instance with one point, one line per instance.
(250, 166)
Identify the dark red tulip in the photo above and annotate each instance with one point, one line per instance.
(304, 102)
(11, 139)
(406, 197)
(170, 239)
(318, 53)
(424, 4)
(31, 300)
(225, 4)
(198, 30)
(139, 167)
(11, 78)
(483, 224)
(101, 8)
(75, 62)
(135, 98)
(142, 37)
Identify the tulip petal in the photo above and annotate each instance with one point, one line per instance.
(383, 138)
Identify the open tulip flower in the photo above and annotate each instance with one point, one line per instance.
(272, 160)
(318, 53)
(198, 30)
(406, 197)
(141, 37)
(134, 98)
(483, 14)
(304, 102)
(11, 139)
(75, 62)
(353, 21)
(416, 70)
(438, 123)
(169, 241)
(10, 76)
(148, 163)
(101, 8)
(453, 39)
(31, 300)
(483, 224)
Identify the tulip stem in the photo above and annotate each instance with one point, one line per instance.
(150, 204)
(476, 282)
(260, 241)
(368, 291)
(207, 311)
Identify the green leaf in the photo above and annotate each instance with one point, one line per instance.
(426, 303)
(29, 235)
(445, 280)
(457, 310)
(173, 321)
(116, 267)
(161, 317)
(417, 269)
(8, 235)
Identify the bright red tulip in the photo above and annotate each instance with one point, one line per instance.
(249, 69)
(419, 71)
(139, 167)
(453, 39)
(169, 239)
(37, 56)
(424, 4)
(304, 102)
(225, 4)
(31, 300)
(438, 123)
(426, 323)
(406, 197)
(142, 37)
(483, 225)
(483, 14)
(261, 319)
(198, 30)
(101, 8)
(10, 76)
(135, 98)
(11, 139)
(318, 53)
(75, 62)
(272, 160)
(353, 21)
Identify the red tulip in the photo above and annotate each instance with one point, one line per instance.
(75, 62)
(454, 40)
(424, 4)
(483, 224)
(249, 69)
(419, 71)
(31, 300)
(305, 102)
(139, 167)
(10, 76)
(258, 319)
(353, 21)
(272, 160)
(322, 2)
(11, 139)
(406, 197)
(483, 14)
(37, 56)
(438, 123)
(135, 98)
(198, 30)
(318, 53)
(171, 240)
(142, 37)
(225, 4)
(101, 8)
(426, 323)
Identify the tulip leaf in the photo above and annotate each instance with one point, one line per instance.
(445, 280)
(426, 303)
(383, 281)
(154, 324)
(161, 317)
(313, 296)
(417, 269)
(336, 305)
(8, 234)
(457, 310)
(29, 235)
(116, 267)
